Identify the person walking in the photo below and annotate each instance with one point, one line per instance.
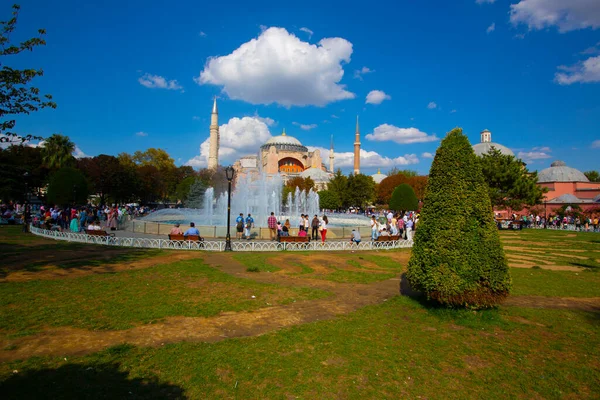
(249, 225)
(239, 226)
(272, 224)
(323, 228)
(315, 228)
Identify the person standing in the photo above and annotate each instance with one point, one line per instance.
(249, 225)
(239, 226)
(374, 228)
(272, 224)
(112, 218)
(409, 228)
(315, 228)
(323, 228)
(306, 223)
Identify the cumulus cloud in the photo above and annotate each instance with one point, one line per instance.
(266, 120)
(305, 127)
(377, 96)
(584, 72)
(427, 155)
(238, 137)
(277, 67)
(141, 134)
(596, 144)
(431, 105)
(391, 133)
(158, 82)
(532, 155)
(566, 15)
(367, 158)
(593, 50)
(78, 153)
(542, 148)
(491, 28)
(308, 31)
(358, 74)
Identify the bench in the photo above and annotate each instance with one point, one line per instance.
(387, 238)
(191, 238)
(293, 239)
(98, 233)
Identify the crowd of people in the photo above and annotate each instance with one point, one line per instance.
(394, 224)
(564, 222)
(317, 227)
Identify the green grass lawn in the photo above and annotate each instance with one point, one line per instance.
(401, 348)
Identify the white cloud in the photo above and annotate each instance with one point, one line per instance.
(367, 158)
(452, 112)
(583, 72)
(358, 74)
(491, 28)
(532, 155)
(542, 148)
(593, 50)
(306, 30)
(391, 133)
(566, 15)
(277, 67)
(238, 137)
(78, 153)
(306, 127)
(431, 105)
(427, 155)
(377, 96)
(596, 144)
(141, 134)
(334, 116)
(158, 82)
(485, 1)
(202, 34)
(266, 120)
(520, 36)
(196, 118)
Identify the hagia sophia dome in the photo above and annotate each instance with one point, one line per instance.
(378, 177)
(284, 142)
(486, 145)
(559, 172)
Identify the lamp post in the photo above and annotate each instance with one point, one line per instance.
(545, 213)
(229, 174)
(25, 206)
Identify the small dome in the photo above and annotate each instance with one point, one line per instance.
(566, 198)
(316, 174)
(378, 177)
(559, 172)
(483, 148)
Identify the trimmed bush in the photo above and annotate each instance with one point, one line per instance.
(404, 198)
(457, 258)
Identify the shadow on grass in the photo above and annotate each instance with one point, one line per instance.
(85, 381)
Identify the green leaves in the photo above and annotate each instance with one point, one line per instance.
(404, 199)
(457, 258)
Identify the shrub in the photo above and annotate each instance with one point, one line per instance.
(457, 258)
(404, 198)
(67, 185)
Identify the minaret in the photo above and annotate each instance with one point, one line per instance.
(331, 155)
(213, 152)
(357, 150)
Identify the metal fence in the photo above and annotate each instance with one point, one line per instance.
(219, 245)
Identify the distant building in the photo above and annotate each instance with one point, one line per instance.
(567, 185)
(486, 145)
(378, 177)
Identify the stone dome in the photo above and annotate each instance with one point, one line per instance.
(284, 142)
(316, 174)
(559, 172)
(483, 148)
(378, 177)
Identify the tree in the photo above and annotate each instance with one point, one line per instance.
(593, 176)
(108, 178)
(57, 151)
(404, 199)
(183, 188)
(150, 186)
(339, 186)
(155, 157)
(67, 186)
(457, 258)
(361, 190)
(329, 200)
(17, 96)
(510, 184)
(409, 173)
(301, 183)
(15, 162)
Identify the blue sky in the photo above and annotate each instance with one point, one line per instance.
(131, 75)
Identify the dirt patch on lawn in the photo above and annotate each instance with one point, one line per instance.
(591, 304)
(545, 266)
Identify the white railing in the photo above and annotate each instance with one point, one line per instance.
(218, 245)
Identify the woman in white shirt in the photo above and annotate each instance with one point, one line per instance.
(323, 228)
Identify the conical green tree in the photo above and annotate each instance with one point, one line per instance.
(457, 258)
(404, 198)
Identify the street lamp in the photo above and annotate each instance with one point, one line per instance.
(545, 213)
(25, 198)
(229, 174)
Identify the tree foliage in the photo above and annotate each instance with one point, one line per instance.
(57, 151)
(329, 200)
(457, 258)
(387, 186)
(360, 191)
(409, 173)
(404, 199)
(17, 96)
(67, 186)
(15, 162)
(593, 176)
(338, 185)
(510, 184)
(109, 179)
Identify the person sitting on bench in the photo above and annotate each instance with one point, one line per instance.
(193, 231)
(176, 230)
